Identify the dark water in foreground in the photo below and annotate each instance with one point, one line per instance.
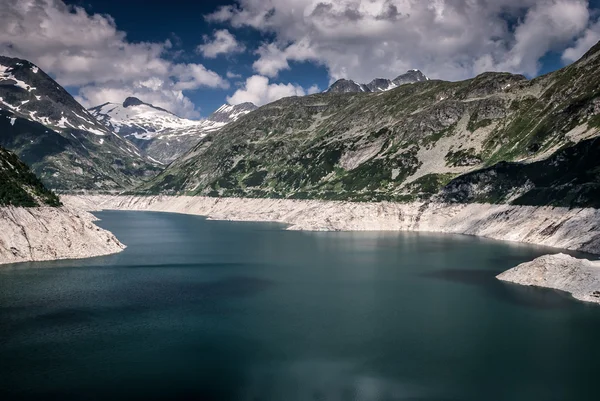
(209, 310)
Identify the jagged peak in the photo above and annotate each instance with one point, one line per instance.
(414, 74)
(344, 85)
(18, 62)
(132, 101)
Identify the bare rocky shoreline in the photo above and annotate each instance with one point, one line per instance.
(57, 233)
(49, 233)
(573, 229)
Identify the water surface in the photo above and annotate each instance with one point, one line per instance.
(209, 310)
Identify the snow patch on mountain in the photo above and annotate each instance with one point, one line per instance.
(7, 78)
(161, 134)
(229, 113)
(143, 121)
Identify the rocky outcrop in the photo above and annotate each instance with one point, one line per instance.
(579, 277)
(48, 233)
(575, 229)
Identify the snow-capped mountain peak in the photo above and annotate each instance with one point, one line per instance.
(29, 93)
(162, 134)
(143, 120)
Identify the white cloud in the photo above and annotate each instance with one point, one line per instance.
(194, 76)
(222, 42)
(313, 89)
(448, 39)
(547, 26)
(590, 37)
(233, 75)
(154, 91)
(88, 51)
(259, 91)
(271, 61)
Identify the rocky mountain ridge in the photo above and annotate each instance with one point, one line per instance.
(61, 141)
(376, 85)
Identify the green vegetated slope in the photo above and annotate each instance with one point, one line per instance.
(419, 141)
(19, 186)
(570, 177)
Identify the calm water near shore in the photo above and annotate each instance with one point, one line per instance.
(211, 310)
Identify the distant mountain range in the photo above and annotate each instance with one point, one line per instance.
(111, 147)
(161, 134)
(378, 84)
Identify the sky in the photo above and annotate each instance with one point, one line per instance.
(191, 57)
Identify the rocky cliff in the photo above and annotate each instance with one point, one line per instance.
(48, 233)
(576, 228)
(579, 277)
(33, 224)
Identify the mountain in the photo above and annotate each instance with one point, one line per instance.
(161, 134)
(19, 186)
(62, 142)
(497, 138)
(229, 113)
(378, 84)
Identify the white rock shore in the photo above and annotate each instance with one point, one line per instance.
(579, 277)
(574, 229)
(47, 233)
(37, 234)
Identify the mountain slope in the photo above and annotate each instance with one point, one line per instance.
(570, 177)
(62, 142)
(19, 186)
(160, 133)
(376, 85)
(229, 113)
(403, 144)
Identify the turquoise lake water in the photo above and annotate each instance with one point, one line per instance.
(210, 310)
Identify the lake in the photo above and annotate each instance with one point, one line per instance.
(196, 309)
